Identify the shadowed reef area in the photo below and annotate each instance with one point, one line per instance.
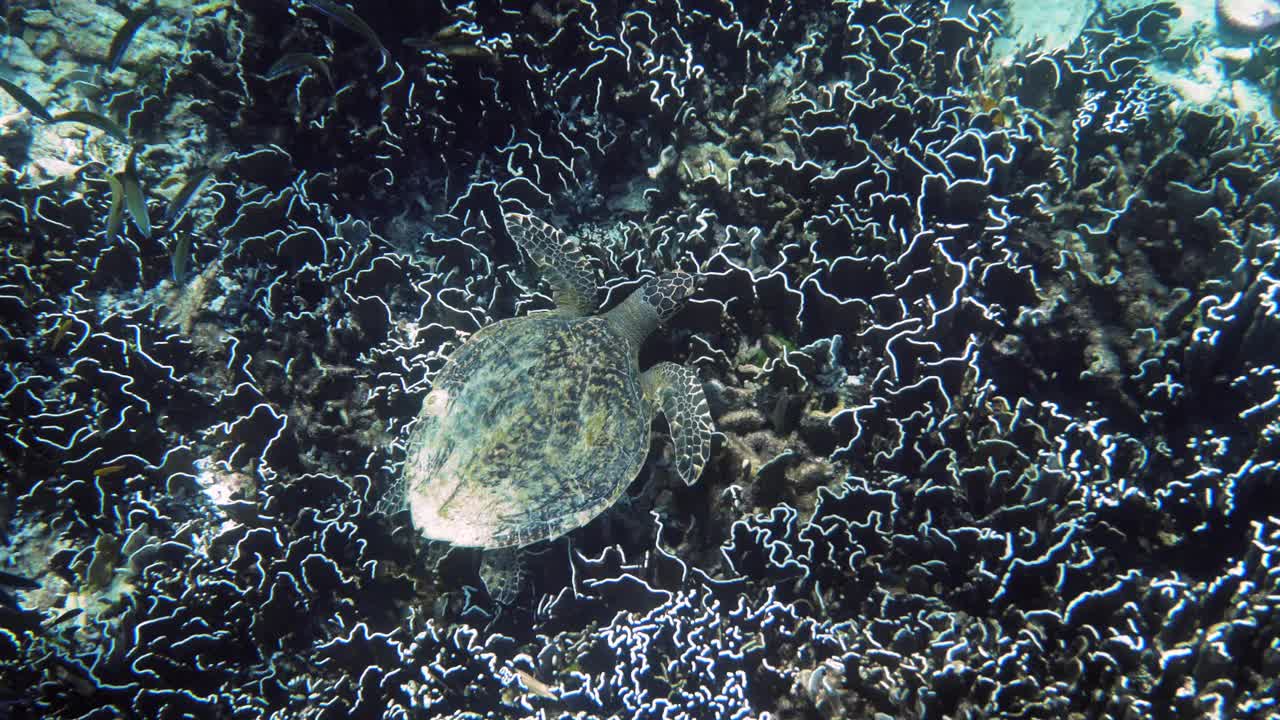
(987, 322)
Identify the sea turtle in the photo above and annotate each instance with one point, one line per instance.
(537, 424)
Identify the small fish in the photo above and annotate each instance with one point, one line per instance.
(181, 256)
(18, 581)
(123, 36)
(116, 215)
(134, 199)
(106, 470)
(349, 19)
(9, 580)
(449, 32)
(102, 122)
(469, 52)
(536, 686)
(455, 42)
(26, 100)
(179, 203)
(295, 61)
(446, 34)
(60, 332)
(131, 162)
(73, 612)
(136, 203)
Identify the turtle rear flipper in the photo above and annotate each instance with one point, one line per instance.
(500, 571)
(394, 499)
(571, 275)
(676, 391)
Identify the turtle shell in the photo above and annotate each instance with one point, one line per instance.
(534, 426)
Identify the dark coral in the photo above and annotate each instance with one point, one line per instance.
(990, 346)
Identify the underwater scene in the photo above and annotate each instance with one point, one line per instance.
(678, 359)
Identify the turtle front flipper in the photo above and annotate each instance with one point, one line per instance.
(676, 391)
(566, 267)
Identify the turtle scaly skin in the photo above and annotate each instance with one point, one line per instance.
(537, 424)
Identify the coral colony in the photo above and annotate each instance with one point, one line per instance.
(985, 317)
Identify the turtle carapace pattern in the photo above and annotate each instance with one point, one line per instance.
(537, 424)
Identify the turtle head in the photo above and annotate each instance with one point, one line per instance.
(655, 302)
(666, 294)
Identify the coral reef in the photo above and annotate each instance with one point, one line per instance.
(987, 329)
